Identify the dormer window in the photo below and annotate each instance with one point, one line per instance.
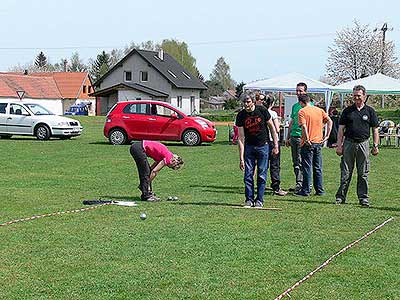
(144, 76)
(128, 75)
(84, 89)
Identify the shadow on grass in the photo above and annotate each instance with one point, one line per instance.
(119, 198)
(208, 204)
(218, 188)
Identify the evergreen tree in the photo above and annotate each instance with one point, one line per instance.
(221, 74)
(76, 64)
(41, 60)
(100, 66)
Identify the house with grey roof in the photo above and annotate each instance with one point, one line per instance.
(144, 74)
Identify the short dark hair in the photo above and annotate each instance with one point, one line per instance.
(269, 101)
(304, 98)
(360, 88)
(303, 85)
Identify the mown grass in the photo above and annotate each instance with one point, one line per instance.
(200, 247)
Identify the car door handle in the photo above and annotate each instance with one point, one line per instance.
(125, 117)
(151, 119)
(9, 118)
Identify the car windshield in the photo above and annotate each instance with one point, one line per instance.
(38, 109)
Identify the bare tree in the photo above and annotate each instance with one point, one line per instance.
(358, 52)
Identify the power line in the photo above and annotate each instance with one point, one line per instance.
(278, 38)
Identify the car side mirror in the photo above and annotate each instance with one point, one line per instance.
(174, 116)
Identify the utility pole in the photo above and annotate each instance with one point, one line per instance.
(383, 29)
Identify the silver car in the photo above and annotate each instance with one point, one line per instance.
(25, 118)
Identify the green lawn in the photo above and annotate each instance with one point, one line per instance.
(200, 247)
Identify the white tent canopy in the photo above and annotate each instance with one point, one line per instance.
(288, 82)
(374, 84)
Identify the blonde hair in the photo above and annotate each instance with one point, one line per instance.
(176, 162)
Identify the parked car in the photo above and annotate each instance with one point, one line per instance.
(77, 109)
(155, 120)
(24, 118)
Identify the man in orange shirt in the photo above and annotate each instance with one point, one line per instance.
(312, 120)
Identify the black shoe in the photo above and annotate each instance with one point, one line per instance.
(364, 203)
(301, 194)
(339, 201)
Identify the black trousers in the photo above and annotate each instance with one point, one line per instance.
(143, 167)
(274, 168)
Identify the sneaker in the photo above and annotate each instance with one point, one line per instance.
(339, 201)
(258, 204)
(280, 192)
(301, 194)
(153, 198)
(248, 204)
(364, 203)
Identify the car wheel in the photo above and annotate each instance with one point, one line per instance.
(117, 136)
(7, 136)
(191, 138)
(42, 132)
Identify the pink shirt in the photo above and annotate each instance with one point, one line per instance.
(157, 151)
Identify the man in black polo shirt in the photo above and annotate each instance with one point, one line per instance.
(355, 126)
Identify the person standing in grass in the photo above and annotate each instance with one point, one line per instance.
(355, 125)
(274, 160)
(253, 122)
(293, 138)
(312, 120)
(140, 151)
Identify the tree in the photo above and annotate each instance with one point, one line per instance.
(221, 74)
(41, 60)
(239, 89)
(359, 52)
(180, 51)
(100, 66)
(215, 88)
(76, 64)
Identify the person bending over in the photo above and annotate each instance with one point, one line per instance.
(140, 151)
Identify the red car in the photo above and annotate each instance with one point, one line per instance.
(155, 120)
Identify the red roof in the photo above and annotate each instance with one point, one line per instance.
(68, 83)
(34, 86)
(44, 85)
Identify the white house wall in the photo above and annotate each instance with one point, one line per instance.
(125, 95)
(186, 94)
(55, 106)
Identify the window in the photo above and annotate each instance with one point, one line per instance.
(186, 75)
(161, 110)
(3, 108)
(179, 101)
(89, 89)
(84, 89)
(16, 109)
(171, 73)
(137, 109)
(128, 75)
(144, 76)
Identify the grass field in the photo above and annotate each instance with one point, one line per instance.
(200, 247)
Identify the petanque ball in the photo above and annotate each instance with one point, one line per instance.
(143, 216)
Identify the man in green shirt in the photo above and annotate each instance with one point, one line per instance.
(293, 137)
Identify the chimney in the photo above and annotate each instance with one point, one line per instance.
(25, 72)
(65, 65)
(161, 54)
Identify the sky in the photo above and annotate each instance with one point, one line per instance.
(258, 38)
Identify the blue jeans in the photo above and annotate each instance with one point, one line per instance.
(311, 160)
(255, 155)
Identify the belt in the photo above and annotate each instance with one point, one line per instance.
(356, 140)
